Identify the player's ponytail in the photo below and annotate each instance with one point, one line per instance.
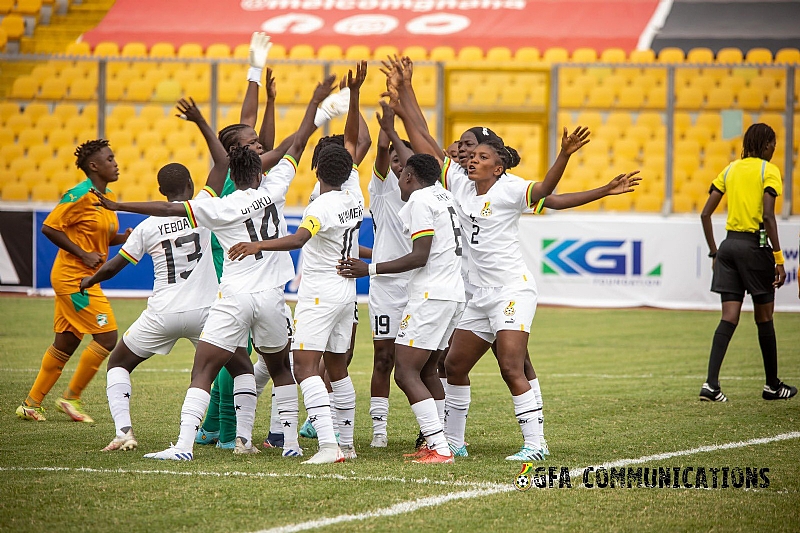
(513, 157)
(245, 165)
(229, 135)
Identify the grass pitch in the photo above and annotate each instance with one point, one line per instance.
(617, 384)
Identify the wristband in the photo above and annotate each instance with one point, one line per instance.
(712, 254)
(778, 257)
(254, 74)
(373, 269)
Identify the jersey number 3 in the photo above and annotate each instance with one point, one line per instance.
(194, 255)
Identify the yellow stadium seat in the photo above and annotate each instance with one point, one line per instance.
(556, 55)
(134, 49)
(152, 112)
(470, 53)
(688, 98)
(81, 48)
(142, 90)
(8, 109)
(442, 53)
(589, 119)
(646, 203)
(776, 99)
(626, 148)
(607, 132)
(147, 140)
(527, 54)
(135, 193)
(50, 168)
(499, 53)
(220, 51)
(700, 55)
(710, 121)
(60, 137)
(122, 112)
(656, 98)
(6, 136)
(415, 53)
(720, 98)
(17, 123)
(24, 88)
(230, 92)
(718, 148)
(642, 56)
(763, 83)
(39, 153)
(641, 133)
(698, 133)
(301, 51)
(357, 53)
(612, 55)
(704, 83)
(3, 39)
(787, 55)
(584, 55)
(750, 98)
(83, 89)
(15, 192)
(200, 91)
(36, 110)
(670, 55)
(79, 123)
(631, 97)
(45, 192)
(278, 51)
(330, 51)
(729, 55)
(40, 73)
(513, 95)
(571, 96)
(759, 55)
(188, 51)
(53, 89)
(14, 26)
(21, 165)
(381, 52)
(654, 148)
(106, 49)
(30, 137)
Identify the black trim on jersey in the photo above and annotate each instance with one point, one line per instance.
(771, 191)
(714, 188)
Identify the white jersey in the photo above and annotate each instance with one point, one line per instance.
(333, 220)
(430, 212)
(183, 266)
(248, 216)
(490, 224)
(384, 205)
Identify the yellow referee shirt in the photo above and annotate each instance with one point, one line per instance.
(745, 181)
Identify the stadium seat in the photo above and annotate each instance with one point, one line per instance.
(626, 148)
(134, 49)
(137, 193)
(688, 98)
(14, 27)
(776, 99)
(787, 55)
(53, 89)
(24, 88)
(220, 51)
(30, 137)
(415, 53)
(499, 53)
(17, 123)
(162, 50)
(590, 119)
(357, 53)
(729, 55)
(631, 97)
(152, 112)
(571, 96)
(15, 191)
(21, 165)
(45, 192)
(759, 55)
(613, 55)
(670, 55)
(720, 98)
(300, 51)
(656, 98)
(84, 89)
(106, 49)
(750, 98)
(642, 56)
(527, 54)
(8, 109)
(6, 137)
(50, 168)
(442, 53)
(584, 55)
(36, 110)
(700, 55)
(330, 52)
(556, 55)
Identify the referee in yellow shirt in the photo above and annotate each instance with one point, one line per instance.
(745, 261)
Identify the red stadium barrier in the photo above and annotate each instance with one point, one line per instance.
(457, 23)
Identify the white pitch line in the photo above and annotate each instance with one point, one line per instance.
(431, 501)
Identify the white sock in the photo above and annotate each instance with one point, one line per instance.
(379, 412)
(431, 427)
(538, 392)
(344, 396)
(440, 410)
(456, 409)
(285, 402)
(192, 413)
(275, 422)
(262, 375)
(334, 417)
(315, 398)
(244, 401)
(118, 390)
(527, 412)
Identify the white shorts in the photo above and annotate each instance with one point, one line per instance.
(494, 309)
(428, 324)
(287, 313)
(158, 332)
(387, 299)
(469, 289)
(260, 314)
(322, 327)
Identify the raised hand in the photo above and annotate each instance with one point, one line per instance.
(189, 111)
(259, 49)
(354, 82)
(624, 183)
(386, 121)
(394, 75)
(393, 96)
(408, 68)
(241, 250)
(352, 268)
(573, 142)
(324, 88)
(271, 89)
(105, 202)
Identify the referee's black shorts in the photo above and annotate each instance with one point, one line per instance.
(742, 265)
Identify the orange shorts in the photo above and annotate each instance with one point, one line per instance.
(84, 313)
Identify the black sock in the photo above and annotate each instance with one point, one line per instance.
(769, 351)
(719, 346)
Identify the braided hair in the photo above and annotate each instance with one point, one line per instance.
(335, 164)
(173, 178)
(85, 152)
(509, 158)
(325, 141)
(229, 135)
(245, 165)
(405, 142)
(425, 168)
(756, 139)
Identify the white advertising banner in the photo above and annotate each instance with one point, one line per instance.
(636, 260)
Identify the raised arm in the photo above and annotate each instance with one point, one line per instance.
(387, 128)
(364, 140)
(569, 145)
(106, 272)
(156, 209)
(266, 135)
(352, 126)
(216, 177)
(382, 153)
(259, 51)
(307, 126)
(621, 184)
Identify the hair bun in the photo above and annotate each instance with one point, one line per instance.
(514, 158)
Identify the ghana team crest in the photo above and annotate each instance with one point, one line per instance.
(487, 210)
(404, 322)
(509, 311)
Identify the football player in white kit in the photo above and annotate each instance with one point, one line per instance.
(251, 291)
(184, 287)
(435, 295)
(388, 294)
(324, 312)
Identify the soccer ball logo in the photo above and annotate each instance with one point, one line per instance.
(509, 311)
(522, 482)
(404, 322)
(487, 210)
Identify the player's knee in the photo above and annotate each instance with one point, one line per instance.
(384, 362)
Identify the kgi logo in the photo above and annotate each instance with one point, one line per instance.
(577, 257)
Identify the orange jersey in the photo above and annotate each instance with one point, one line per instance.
(86, 224)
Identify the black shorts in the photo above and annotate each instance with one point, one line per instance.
(742, 265)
